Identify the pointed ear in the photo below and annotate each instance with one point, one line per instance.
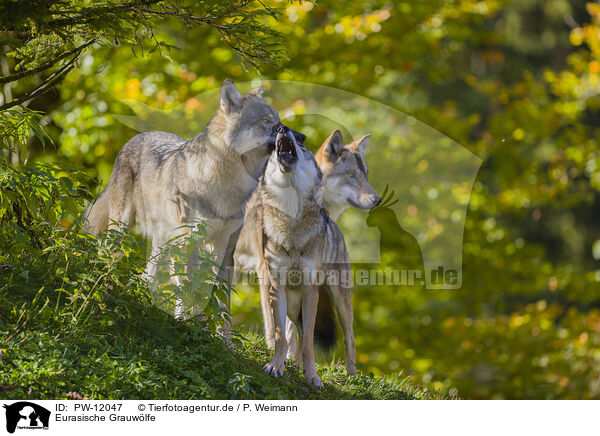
(257, 91)
(332, 146)
(230, 97)
(361, 144)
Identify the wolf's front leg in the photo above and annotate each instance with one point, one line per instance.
(309, 315)
(278, 302)
(290, 334)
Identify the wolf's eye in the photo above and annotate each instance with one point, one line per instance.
(267, 120)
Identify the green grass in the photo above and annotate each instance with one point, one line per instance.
(125, 348)
(75, 316)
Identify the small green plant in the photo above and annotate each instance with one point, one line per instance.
(187, 282)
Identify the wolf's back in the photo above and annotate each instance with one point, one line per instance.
(129, 160)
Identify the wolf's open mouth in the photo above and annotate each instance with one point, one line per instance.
(286, 148)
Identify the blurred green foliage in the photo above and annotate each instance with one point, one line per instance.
(516, 83)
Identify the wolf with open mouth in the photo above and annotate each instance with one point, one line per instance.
(345, 185)
(286, 234)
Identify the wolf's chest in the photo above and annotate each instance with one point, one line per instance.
(301, 252)
(292, 236)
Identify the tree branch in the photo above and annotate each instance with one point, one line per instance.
(47, 65)
(45, 85)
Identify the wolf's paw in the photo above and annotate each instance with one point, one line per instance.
(313, 380)
(274, 369)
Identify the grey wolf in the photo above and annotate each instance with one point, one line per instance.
(344, 184)
(282, 234)
(169, 182)
(286, 230)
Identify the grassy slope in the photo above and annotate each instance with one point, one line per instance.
(120, 347)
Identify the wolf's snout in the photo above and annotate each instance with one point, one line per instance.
(370, 201)
(365, 202)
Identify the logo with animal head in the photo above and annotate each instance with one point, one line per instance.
(26, 415)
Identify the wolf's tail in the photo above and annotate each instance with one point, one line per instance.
(325, 323)
(95, 216)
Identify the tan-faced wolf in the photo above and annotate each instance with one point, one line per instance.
(345, 175)
(169, 182)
